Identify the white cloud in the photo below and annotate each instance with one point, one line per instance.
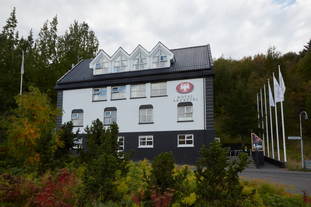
(232, 28)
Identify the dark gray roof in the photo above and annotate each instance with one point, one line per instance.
(188, 63)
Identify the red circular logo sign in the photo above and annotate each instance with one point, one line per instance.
(184, 87)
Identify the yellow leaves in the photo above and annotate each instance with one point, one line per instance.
(190, 200)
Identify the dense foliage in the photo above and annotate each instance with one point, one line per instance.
(47, 58)
(66, 187)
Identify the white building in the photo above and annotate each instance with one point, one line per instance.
(162, 100)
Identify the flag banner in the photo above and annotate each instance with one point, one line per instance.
(271, 101)
(22, 68)
(282, 85)
(277, 91)
(256, 143)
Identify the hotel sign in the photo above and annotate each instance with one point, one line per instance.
(185, 88)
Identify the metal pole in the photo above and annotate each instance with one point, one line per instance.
(306, 117)
(272, 144)
(262, 124)
(266, 115)
(276, 123)
(283, 127)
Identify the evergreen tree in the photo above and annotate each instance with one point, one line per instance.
(103, 159)
(240, 117)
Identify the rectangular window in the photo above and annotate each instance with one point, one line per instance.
(78, 143)
(185, 113)
(110, 117)
(118, 92)
(99, 94)
(121, 145)
(158, 89)
(138, 90)
(146, 115)
(77, 118)
(145, 142)
(185, 140)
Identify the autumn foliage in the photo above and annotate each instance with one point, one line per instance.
(31, 123)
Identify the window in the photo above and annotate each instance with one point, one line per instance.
(145, 142)
(158, 89)
(121, 144)
(159, 59)
(138, 91)
(185, 111)
(146, 114)
(101, 66)
(110, 115)
(118, 92)
(139, 62)
(185, 140)
(77, 117)
(120, 64)
(99, 94)
(78, 143)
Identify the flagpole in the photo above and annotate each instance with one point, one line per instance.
(22, 73)
(264, 87)
(258, 111)
(282, 99)
(276, 119)
(271, 123)
(262, 124)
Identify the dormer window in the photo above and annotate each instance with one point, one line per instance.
(139, 62)
(159, 59)
(120, 64)
(101, 66)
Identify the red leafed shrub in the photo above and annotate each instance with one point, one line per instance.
(305, 197)
(58, 192)
(16, 189)
(161, 199)
(137, 200)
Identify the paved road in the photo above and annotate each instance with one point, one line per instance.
(300, 180)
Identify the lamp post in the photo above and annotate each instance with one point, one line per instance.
(306, 117)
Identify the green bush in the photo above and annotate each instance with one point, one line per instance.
(216, 178)
(103, 161)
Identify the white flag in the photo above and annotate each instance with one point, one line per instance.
(282, 85)
(277, 91)
(22, 69)
(271, 101)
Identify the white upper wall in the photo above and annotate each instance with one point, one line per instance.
(164, 108)
(139, 59)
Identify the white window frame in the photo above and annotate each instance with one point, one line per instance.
(118, 94)
(121, 144)
(146, 115)
(101, 66)
(138, 91)
(186, 137)
(144, 141)
(120, 64)
(77, 118)
(185, 115)
(159, 59)
(139, 62)
(99, 95)
(112, 117)
(78, 143)
(158, 89)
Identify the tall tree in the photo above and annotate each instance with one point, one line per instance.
(240, 117)
(9, 63)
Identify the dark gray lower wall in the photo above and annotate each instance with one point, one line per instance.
(167, 142)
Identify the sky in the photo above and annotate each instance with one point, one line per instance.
(233, 28)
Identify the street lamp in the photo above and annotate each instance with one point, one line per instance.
(306, 117)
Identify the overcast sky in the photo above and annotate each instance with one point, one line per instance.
(233, 28)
